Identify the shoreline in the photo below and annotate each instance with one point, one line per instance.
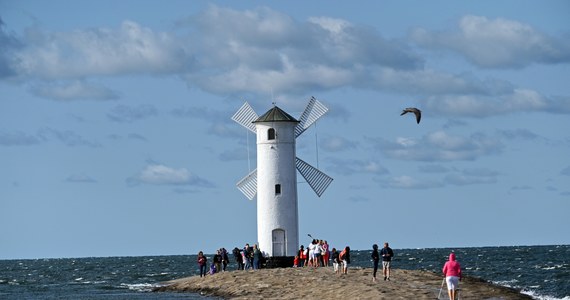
(323, 283)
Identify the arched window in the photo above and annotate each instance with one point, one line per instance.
(271, 134)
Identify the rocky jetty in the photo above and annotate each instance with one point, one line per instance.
(323, 283)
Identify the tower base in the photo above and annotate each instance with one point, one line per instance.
(279, 262)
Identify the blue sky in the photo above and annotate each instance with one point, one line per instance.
(116, 137)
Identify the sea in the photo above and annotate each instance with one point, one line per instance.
(542, 272)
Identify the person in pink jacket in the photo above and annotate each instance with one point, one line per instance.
(452, 272)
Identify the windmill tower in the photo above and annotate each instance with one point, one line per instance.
(275, 179)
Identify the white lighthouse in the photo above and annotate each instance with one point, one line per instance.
(275, 179)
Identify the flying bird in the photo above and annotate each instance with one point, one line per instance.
(414, 110)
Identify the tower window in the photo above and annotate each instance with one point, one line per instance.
(271, 134)
(277, 189)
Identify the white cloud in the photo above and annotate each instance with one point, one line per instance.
(128, 114)
(480, 106)
(352, 166)
(433, 169)
(439, 146)
(406, 142)
(131, 48)
(162, 175)
(409, 182)
(472, 176)
(219, 50)
(261, 52)
(337, 143)
(497, 43)
(67, 137)
(451, 176)
(75, 90)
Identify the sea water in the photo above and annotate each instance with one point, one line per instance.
(540, 271)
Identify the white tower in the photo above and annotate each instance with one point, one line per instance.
(275, 179)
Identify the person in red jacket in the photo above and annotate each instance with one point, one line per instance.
(202, 262)
(452, 272)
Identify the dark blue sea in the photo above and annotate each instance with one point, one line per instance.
(540, 271)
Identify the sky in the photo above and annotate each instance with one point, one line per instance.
(116, 136)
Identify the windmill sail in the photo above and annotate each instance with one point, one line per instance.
(248, 185)
(313, 111)
(318, 180)
(245, 117)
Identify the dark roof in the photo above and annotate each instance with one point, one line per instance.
(275, 114)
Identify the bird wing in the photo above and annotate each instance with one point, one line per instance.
(418, 116)
(414, 110)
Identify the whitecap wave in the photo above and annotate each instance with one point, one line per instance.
(140, 287)
(535, 295)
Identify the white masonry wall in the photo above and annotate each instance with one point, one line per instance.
(276, 165)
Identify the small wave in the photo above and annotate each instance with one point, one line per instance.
(160, 274)
(552, 267)
(94, 282)
(535, 295)
(140, 287)
(507, 283)
(14, 282)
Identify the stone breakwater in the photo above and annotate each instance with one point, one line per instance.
(323, 283)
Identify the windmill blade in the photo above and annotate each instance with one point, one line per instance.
(312, 113)
(318, 180)
(245, 117)
(248, 185)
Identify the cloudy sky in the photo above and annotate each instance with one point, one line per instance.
(116, 136)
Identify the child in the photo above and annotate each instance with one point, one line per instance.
(296, 261)
(213, 268)
(336, 261)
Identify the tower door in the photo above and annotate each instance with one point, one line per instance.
(278, 242)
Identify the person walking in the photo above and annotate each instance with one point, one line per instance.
(375, 260)
(238, 258)
(218, 260)
(257, 257)
(248, 256)
(318, 253)
(203, 263)
(387, 255)
(452, 272)
(312, 246)
(336, 261)
(345, 258)
(327, 253)
(247, 263)
(225, 259)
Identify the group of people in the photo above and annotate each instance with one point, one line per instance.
(386, 253)
(317, 254)
(219, 262)
(246, 258)
(451, 269)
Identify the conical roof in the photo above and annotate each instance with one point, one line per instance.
(275, 114)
